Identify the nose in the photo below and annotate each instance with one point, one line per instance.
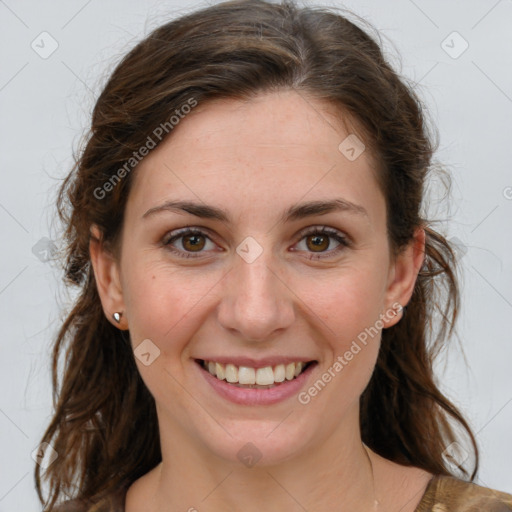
(257, 303)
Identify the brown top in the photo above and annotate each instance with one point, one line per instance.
(443, 494)
(449, 494)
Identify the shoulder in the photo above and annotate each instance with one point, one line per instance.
(450, 494)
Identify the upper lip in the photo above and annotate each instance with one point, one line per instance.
(257, 363)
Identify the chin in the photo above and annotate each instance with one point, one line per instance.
(258, 443)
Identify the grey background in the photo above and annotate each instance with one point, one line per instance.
(45, 108)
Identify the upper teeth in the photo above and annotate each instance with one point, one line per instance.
(261, 376)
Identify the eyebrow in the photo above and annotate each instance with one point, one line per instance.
(295, 212)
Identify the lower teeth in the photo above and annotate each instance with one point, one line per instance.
(255, 386)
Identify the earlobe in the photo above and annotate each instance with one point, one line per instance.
(106, 274)
(403, 275)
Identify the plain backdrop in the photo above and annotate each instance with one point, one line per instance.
(56, 56)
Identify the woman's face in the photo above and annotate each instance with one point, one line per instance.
(259, 287)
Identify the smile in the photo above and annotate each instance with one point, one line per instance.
(248, 385)
(245, 376)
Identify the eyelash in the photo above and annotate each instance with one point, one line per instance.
(333, 233)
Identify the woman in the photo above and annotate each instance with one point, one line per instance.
(258, 288)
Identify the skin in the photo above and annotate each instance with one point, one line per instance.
(255, 159)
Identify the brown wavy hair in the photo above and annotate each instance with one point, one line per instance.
(104, 426)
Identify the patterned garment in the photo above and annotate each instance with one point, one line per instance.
(449, 494)
(443, 494)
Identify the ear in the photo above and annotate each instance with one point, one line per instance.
(106, 274)
(403, 273)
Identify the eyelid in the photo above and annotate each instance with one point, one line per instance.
(186, 230)
(324, 230)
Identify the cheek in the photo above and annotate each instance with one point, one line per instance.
(348, 301)
(349, 309)
(163, 304)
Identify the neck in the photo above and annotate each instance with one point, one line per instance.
(337, 469)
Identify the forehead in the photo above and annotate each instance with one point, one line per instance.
(277, 145)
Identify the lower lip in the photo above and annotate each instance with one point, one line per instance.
(255, 396)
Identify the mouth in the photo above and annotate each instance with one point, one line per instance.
(248, 377)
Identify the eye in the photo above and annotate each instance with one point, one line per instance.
(318, 239)
(192, 241)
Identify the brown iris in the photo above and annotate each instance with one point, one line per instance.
(317, 241)
(193, 242)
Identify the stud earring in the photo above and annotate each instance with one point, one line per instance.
(400, 310)
(117, 317)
